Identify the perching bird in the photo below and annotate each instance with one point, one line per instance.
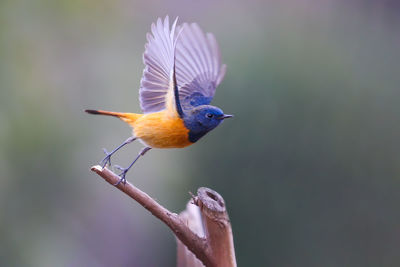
(182, 70)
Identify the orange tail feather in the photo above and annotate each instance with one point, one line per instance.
(129, 118)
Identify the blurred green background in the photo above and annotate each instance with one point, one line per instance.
(309, 166)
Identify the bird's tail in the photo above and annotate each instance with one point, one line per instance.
(129, 118)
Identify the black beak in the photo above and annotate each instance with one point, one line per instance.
(227, 116)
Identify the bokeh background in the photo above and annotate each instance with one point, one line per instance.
(309, 166)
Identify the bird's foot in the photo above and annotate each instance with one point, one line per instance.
(121, 175)
(107, 159)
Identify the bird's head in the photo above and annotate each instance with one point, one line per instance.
(202, 119)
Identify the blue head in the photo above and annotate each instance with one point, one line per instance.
(202, 119)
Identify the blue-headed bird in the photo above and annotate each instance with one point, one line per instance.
(182, 70)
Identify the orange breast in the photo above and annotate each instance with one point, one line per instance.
(161, 130)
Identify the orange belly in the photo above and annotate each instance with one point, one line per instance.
(161, 130)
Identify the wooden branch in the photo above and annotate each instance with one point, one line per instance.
(207, 216)
(213, 246)
(218, 227)
(192, 216)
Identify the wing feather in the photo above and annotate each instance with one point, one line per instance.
(157, 80)
(198, 66)
(186, 50)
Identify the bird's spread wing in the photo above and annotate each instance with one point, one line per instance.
(198, 66)
(182, 67)
(158, 86)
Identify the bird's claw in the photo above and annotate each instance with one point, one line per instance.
(121, 175)
(107, 159)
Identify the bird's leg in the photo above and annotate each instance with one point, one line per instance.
(125, 170)
(107, 158)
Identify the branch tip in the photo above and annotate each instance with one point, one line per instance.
(96, 168)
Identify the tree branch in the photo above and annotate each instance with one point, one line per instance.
(193, 242)
(214, 247)
(219, 232)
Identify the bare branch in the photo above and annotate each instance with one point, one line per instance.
(193, 242)
(203, 228)
(219, 232)
(192, 216)
(206, 215)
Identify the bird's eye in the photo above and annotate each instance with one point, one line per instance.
(209, 115)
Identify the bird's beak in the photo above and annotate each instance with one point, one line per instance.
(227, 116)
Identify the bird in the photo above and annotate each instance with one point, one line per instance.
(182, 71)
